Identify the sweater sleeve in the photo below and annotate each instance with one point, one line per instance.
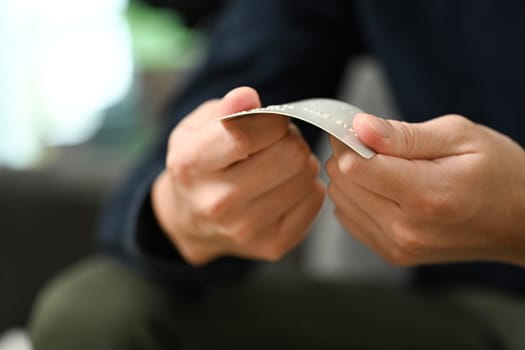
(287, 50)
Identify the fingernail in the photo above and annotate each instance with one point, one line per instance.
(380, 126)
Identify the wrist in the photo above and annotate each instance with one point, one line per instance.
(164, 205)
(162, 202)
(511, 223)
(518, 229)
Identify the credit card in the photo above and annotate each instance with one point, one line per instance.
(333, 116)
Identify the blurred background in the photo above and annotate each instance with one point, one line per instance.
(82, 89)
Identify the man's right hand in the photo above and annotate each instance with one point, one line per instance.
(245, 187)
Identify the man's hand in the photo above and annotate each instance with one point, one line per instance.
(245, 187)
(446, 190)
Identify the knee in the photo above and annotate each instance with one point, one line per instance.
(94, 304)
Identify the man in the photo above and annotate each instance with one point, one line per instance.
(445, 195)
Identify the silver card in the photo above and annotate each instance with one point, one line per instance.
(333, 116)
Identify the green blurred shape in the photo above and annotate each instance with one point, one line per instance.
(161, 41)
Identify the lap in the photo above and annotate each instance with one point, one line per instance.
(99, 304)
(302, 313)
(102, 304)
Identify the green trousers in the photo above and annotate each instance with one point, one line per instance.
(101, 304)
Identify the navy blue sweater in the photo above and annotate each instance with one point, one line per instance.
(440, 56)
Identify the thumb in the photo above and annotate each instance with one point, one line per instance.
(427, 140)
(237, 100)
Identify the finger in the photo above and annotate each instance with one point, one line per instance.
(337, 146)
(350, 207)
(360, 221)
(391, 177)
(357, 227)
(253, 133)
(377, 223)
(379, 210)
(220, 192)
(353, 189)
(372, 212)
(237, 100)
(200, 143)
(268, 168)
(290, 229)
(213, 148)
(256, 216)
(435, 138)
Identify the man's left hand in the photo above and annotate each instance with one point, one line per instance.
(446, 190)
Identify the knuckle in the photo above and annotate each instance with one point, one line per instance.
(205, 209)
(179, 168)
(465, 127)
(460, 121)
(333, 193)
(409, 141)
(242, 233)
(193, 256)
(298, 153)
(349, 165)
(274, 253)
(331, 168)
(213, 207)
(436, 204)
(398, 257)
(195, 260)
(459, 124)
(407, 246)
(314, 166)
(317, 197)
(319, 194)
